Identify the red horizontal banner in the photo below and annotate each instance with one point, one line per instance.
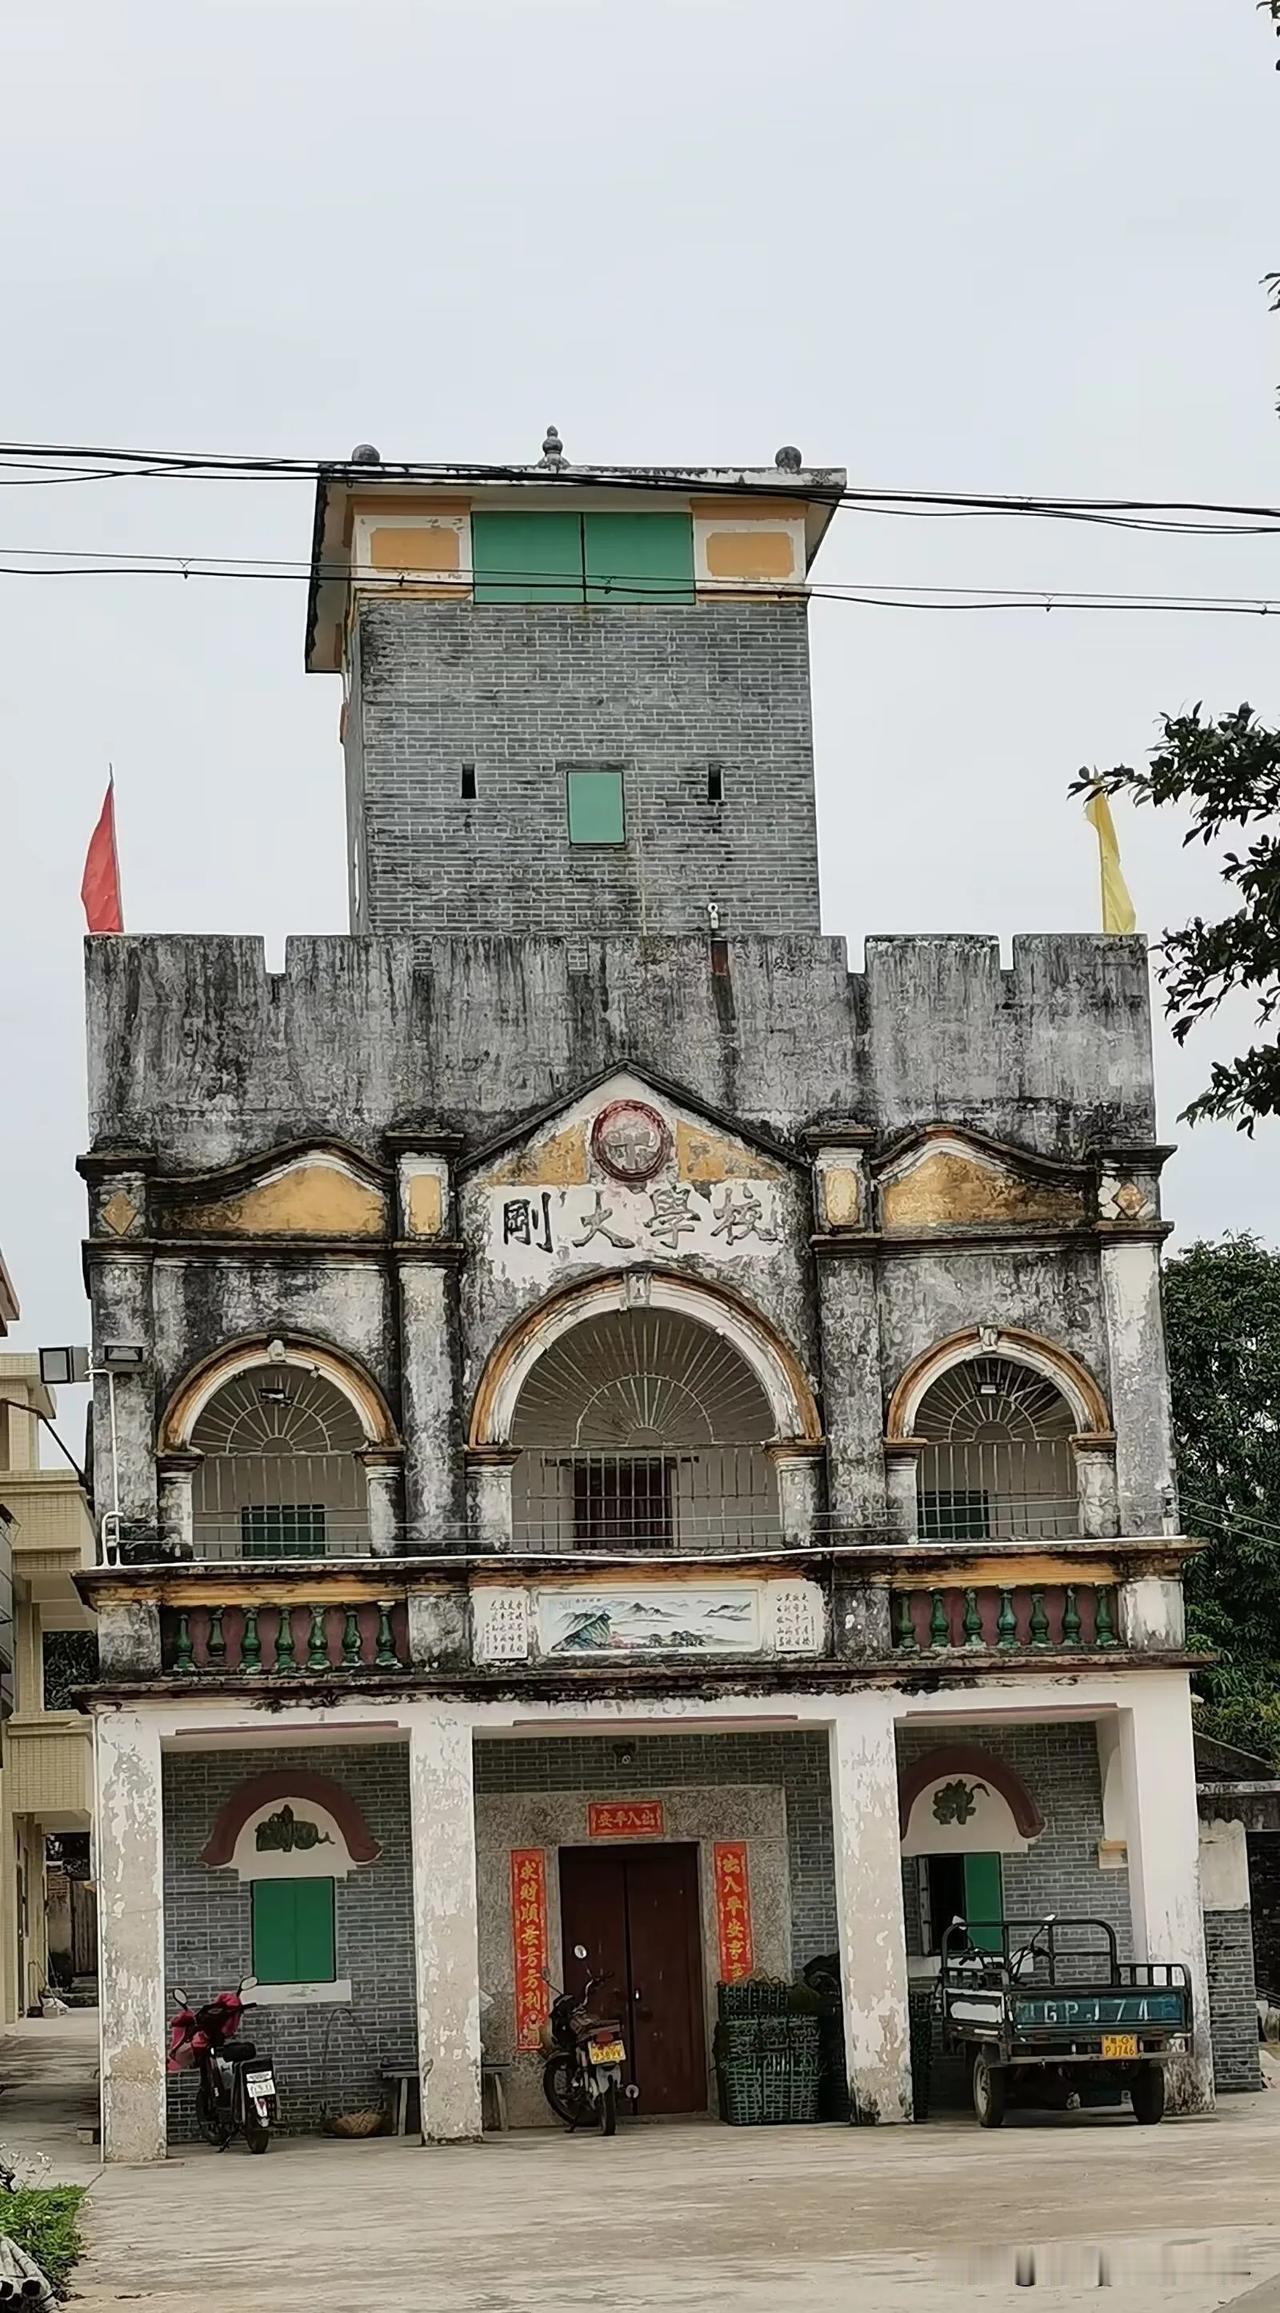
(626, 1819)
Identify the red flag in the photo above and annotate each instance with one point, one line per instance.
(100, 884)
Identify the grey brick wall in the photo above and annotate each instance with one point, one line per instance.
(327, 2058)
(1233, 2015)
(798, 1762)
(522, 691)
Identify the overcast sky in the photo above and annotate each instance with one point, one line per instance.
(1008, 246)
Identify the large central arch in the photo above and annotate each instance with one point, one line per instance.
(792, 1407)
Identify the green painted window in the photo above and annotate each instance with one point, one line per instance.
(638, 557)
(983, 1899)
(283, 1530)
(596, 558)
(293, 1938)
(597, 813)
(527, 557)
(955, 1517)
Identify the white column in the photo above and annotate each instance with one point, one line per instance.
(382, 1495)
(1096, 1488)
(797, 1468)
(428, 1326)
(1139, 1384)
(1163, 1833)
(902, 1485)
(446, 1950)
(873, 1944)
(129, 1854)
(489, 1471)
(177, 1515)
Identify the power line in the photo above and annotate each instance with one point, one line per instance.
(42, 465)
(91, 562)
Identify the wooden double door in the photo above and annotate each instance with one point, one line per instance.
(636, 1910)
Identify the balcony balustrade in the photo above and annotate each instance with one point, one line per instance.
(243, 1641)
(1046, 1617)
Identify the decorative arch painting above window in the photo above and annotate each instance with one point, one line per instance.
(962, 1800)
(290, 1825)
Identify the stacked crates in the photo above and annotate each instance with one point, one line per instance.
(768, 2061)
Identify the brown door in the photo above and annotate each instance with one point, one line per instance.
(636, 1910)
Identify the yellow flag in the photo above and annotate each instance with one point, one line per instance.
(1117, 907)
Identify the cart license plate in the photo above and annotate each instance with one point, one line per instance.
(606, 2051)
(260, 2084)
(1119, 2043)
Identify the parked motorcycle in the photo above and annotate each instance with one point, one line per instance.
(237, 2092)
(585, 2054)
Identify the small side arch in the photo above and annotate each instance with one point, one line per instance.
(289, 1783)
(195, 1390)
(792, 1405)
(968, 1760)
(1067, 1373)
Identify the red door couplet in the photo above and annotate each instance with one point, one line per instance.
(636, 1910)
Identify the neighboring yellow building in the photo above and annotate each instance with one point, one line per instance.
(46, 1648)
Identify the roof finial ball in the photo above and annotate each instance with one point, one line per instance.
(364, 454)
(553, 450)
(788, 459)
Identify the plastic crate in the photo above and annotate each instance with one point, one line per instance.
(762, 1996)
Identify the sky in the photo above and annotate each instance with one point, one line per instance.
(1004, 248)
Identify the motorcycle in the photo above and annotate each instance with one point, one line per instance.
(237, 2091)
(585, 2054)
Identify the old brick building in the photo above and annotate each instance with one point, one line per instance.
(627, 1409)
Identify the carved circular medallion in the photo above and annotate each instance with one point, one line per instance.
(630, 1140)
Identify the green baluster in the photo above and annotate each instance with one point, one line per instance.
(216, 1645)
(184, 1660)
(351, 1641)
(251, 1644)
(1039, 1620)
(907, 1640)
(1104, 1628)
(972, 1619)
(939, 1625)
(317, 1643)
(1006, 1621)
(1070, 1617)
(286, 1659)
(386, 1657)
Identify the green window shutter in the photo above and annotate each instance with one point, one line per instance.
(293, 1936)
(283, 1530)
(638, 557)
(527, 557)
(983, 1899)
(597, 812)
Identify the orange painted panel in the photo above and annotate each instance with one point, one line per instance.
(733, 1910)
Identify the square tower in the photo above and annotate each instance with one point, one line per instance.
(575, 701)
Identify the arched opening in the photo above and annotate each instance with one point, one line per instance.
(997, 1462)
(641, 1429)
(279, 1474)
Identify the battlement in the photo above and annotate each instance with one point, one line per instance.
(200, 1053)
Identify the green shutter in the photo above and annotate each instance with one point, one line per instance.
(983, 1900)
(597, 813)
(293, 1940)
(638, 557)
(527, 557)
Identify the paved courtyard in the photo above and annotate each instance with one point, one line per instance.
(683, 2217)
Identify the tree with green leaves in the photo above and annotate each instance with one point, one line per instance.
(1228, 771)
(1222, 1322)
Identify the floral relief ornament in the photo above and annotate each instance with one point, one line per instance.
(956, 1802)
(630, 1141)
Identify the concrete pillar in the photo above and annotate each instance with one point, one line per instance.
(129, 1860)
(873, 1944)
(849, 1320)
(446, 1948)
(382, 1488)
(1163, 1834)
(902, 1485)
(433, 1506)
(489, 1471)
(1139, 1384)
(123, 1453)
(798, 1468)
(1096, 1488)
(176, 1475)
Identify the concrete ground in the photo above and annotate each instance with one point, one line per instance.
(695, 2218)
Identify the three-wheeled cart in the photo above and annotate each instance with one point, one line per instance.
(1058, 2019)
